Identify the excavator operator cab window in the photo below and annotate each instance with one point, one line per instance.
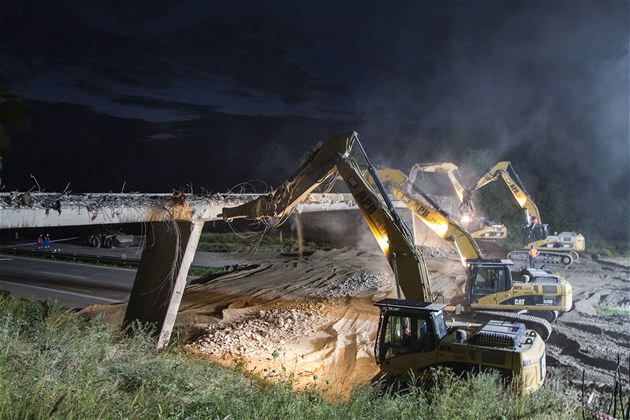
(423, 338)
(489, 280)
(397, 340)
(405, 335)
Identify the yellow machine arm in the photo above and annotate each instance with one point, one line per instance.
(438, 221)
(392, 235)
(451, 171)
(466, 207)
(515, 185)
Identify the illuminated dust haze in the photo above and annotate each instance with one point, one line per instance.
(166, 95)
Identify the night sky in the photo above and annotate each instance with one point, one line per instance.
(152, 96)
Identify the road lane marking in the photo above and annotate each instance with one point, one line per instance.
(83, 295)
(78, 289)
(61, 274)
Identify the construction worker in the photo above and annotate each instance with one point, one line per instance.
(533, 253)
(533, 221)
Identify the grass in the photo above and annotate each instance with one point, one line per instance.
(605, 310)
(56, 364)
(607, 248)
(201, 271)
(273, 240)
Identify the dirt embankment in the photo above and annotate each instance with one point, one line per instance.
(313, 321)
(589, 338)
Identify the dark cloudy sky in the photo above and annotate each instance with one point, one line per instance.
(157, 95)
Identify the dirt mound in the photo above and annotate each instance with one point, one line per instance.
(591, 337)
(312, 320)
(309, 320)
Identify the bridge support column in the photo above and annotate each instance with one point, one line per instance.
(161, 278)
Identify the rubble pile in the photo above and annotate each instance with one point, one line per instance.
(435, 252)
(352, 285)
(261, 331)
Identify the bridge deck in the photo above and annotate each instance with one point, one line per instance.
(23, 210)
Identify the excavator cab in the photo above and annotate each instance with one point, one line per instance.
(494, 286)
(488, 277)
(538, 232)
(409, 333)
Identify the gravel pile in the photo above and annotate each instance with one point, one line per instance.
(352, 285)
(264, 330)
(434, 252)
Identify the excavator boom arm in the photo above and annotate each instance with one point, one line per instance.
(319, 167)
(502, 169)
(392, 235)
(451, 171)
(438, 221)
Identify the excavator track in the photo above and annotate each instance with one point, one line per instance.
(546, 257)
(540, 325)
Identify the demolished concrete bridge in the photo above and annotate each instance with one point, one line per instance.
(176, 220)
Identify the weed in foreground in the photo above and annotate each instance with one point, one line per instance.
(55, 364)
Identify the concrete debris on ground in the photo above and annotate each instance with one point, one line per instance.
(260, 331)
(319, 316)
(436, 252)
(352, 285)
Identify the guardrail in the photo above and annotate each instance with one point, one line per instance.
(70, 256)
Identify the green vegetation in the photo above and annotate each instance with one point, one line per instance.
(606, 248)
(200, 271)
(274, 240)
(56, 364)
(605, 310)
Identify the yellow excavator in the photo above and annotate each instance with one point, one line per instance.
(413, 334)
(479, 227)
(535, 297)
(559, 248)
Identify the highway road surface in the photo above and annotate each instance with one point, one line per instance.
(71, 284)
(76, 285)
